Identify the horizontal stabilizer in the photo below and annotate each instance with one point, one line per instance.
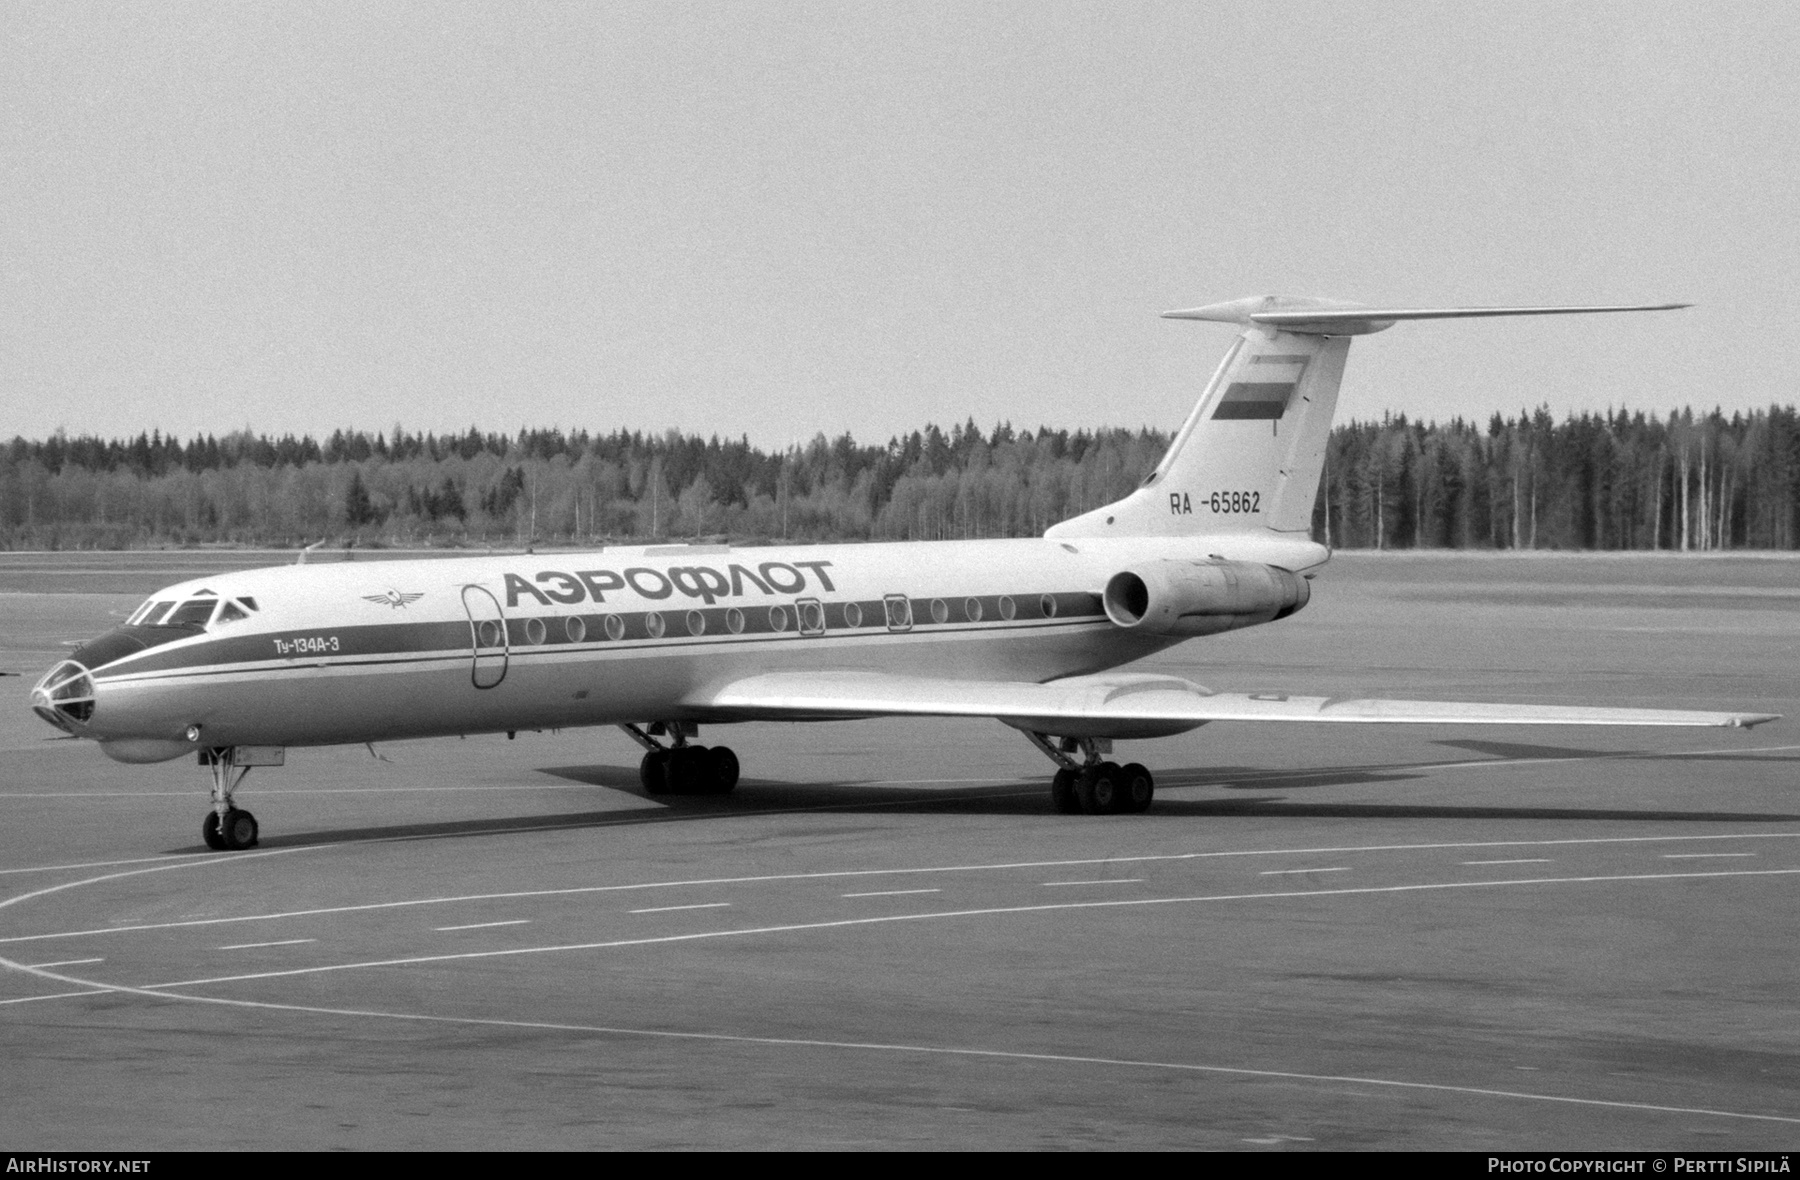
(1330, 317)
(1128, 705)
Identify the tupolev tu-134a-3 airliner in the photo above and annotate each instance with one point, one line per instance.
(664, 639)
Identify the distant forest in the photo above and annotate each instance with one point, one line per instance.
(1614, 481)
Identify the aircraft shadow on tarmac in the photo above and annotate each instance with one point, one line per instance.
(770, 796)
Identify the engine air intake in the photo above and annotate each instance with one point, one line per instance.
(1187, 598)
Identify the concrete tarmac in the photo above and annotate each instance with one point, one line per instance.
(1319, 937)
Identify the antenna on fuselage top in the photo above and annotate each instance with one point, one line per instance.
(301, 560)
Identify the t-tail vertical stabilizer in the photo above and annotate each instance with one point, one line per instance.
(1248, 459)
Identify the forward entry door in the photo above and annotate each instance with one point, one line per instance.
(487, 636)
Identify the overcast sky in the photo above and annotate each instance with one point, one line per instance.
(775, 219)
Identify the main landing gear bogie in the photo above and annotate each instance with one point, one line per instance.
(683, 769)
(1110, 789)
(1095, 786)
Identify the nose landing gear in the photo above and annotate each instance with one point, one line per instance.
(228, 828)
(1093, 786)
(682, 769)
(234, 830)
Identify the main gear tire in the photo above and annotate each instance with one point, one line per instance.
(1100, 789)
(1137, 786)
(687, 770)
(209, 832)
(653, 772)
(721, 771)
(1062, 792)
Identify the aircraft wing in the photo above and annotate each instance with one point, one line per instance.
(1126, 705)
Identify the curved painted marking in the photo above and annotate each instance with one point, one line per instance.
(988, 911)
(105, 864)
(101, 990)
(1002, 1054)
(818, 876)
(871, 1046)
(1011, 1055)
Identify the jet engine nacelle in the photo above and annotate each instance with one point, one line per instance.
(1189, 598)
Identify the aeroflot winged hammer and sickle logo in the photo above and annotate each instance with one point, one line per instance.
(393, 598)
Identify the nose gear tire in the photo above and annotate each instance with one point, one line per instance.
(238, 831)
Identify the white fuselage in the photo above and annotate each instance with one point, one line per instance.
(370, 651)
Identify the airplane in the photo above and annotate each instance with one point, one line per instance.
(659, 640)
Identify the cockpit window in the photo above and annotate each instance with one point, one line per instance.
(193, 613)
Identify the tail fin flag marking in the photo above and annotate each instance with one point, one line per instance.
(1267, 392)
(1224, 473)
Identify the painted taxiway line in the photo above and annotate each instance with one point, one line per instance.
(219, 860)
(669, 909)
(251, 946)
(484, 925)
(968, 1052)
(1295, 872)
(63, 963)
(1704, 855)
(97, 990)
(109, 864)
(1529, 860)
(207, 860)
(891, 893)
(940, 915)
(1107, 881)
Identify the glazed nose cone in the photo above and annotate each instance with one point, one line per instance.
(65, 696)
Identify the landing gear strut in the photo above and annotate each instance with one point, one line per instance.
(681, 769)
(1094, 786)
(227, 827)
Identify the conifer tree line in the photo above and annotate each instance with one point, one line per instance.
(1613, 481)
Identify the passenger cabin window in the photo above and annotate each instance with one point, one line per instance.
(193, 613)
